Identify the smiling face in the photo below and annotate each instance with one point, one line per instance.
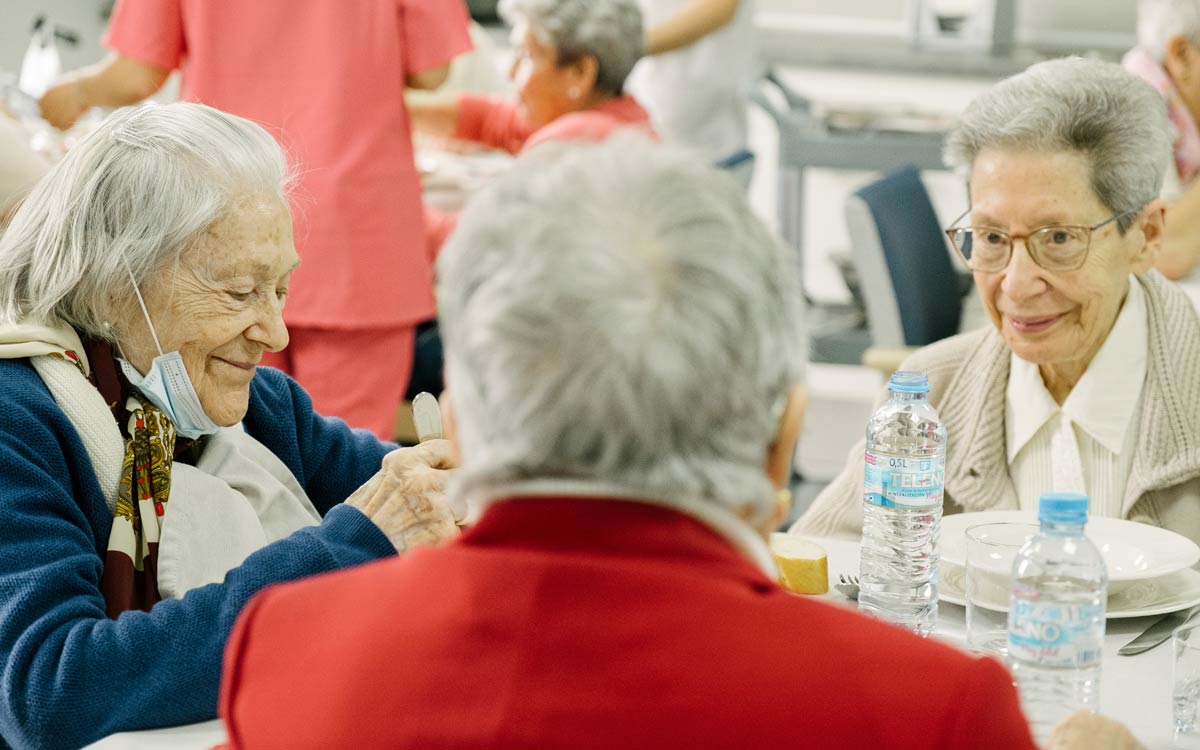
(544, 88)
(1055, 319)
(221, 306)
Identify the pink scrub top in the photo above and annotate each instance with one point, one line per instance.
(327, 79)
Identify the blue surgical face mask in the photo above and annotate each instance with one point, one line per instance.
(167, 386)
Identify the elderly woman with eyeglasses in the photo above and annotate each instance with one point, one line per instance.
(1089, 379)
(152, 477)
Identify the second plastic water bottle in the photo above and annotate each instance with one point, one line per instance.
(1056, 615)
(903, 479)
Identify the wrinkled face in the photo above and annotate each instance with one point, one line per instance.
(221, 306)
(543, 85)
(1058, 318)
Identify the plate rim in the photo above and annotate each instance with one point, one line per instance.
(1148, 611)
(1032, 518)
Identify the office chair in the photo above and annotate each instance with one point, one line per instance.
(910, 287)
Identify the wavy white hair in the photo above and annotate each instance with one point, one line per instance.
(1097, 109)
(617, 313)
(1159, 20)
(133, 195)
(609, 30)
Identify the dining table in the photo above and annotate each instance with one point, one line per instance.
(1135, 690)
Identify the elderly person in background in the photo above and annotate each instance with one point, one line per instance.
(151, 478)
(570, 62)
(1168, 58)
(624, 351)
(1089, 380)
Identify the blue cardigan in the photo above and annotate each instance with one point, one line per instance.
(69, 674)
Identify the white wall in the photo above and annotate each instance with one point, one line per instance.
(81, 16)
(1083, 23)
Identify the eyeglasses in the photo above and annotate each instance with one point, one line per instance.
(1059, 247)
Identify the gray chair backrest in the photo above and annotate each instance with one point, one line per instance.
(909, 285)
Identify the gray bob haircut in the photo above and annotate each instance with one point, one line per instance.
(131, 197)
(616, 313)
(1096, 109)
(1159, 20)
(609, 30)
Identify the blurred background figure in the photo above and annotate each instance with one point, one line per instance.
(700, 59)
(1167, 57)
(326, 78)
(20, 166)
(571, 59)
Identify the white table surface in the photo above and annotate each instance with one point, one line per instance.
(1135, 690)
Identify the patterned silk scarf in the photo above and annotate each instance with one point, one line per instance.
(130, 578)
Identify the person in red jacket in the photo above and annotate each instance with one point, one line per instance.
(625, 357)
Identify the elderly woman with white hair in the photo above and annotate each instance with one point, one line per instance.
(1167, 57)
(1089, 378)
(570, 62)
(624, 357)
(151, 477)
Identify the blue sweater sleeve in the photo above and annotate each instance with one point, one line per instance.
(68, 674)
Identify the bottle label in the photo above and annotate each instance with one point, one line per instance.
(898, 482)
(1056, 635)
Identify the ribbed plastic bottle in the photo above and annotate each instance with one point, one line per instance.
(903, 480)
(1056, 615)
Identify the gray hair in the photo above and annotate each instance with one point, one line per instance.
(608, 30)
(1159, 20)
(617, 313)
(131, 197)
(1097, 109)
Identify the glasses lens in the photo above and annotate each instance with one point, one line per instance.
(1059, 247)
(985, 249)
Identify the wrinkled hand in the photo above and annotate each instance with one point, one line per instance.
(1084, 730)
(406, 498)
(64, 103)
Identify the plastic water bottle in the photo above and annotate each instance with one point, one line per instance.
(903, 478)
(1056, 615)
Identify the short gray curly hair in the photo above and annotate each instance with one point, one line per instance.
(131, 197)
(616, 313)
(1097, 109)
(608, 30)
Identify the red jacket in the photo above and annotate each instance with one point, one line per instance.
(583, 623)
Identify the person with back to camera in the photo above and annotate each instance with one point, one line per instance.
(625, 357)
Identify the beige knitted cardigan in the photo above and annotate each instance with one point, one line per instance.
(968, 378)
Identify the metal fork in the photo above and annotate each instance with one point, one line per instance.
(848, 585)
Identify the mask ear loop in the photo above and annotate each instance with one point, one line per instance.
(142, 304)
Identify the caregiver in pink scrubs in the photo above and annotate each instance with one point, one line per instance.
(327, 79)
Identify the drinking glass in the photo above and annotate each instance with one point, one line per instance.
(1185, 693)
(991, 548)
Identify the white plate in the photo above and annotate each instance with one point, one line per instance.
(1149, 596)
(1132, 551)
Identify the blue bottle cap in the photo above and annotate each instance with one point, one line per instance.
(909, 382)
(1063, 507)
